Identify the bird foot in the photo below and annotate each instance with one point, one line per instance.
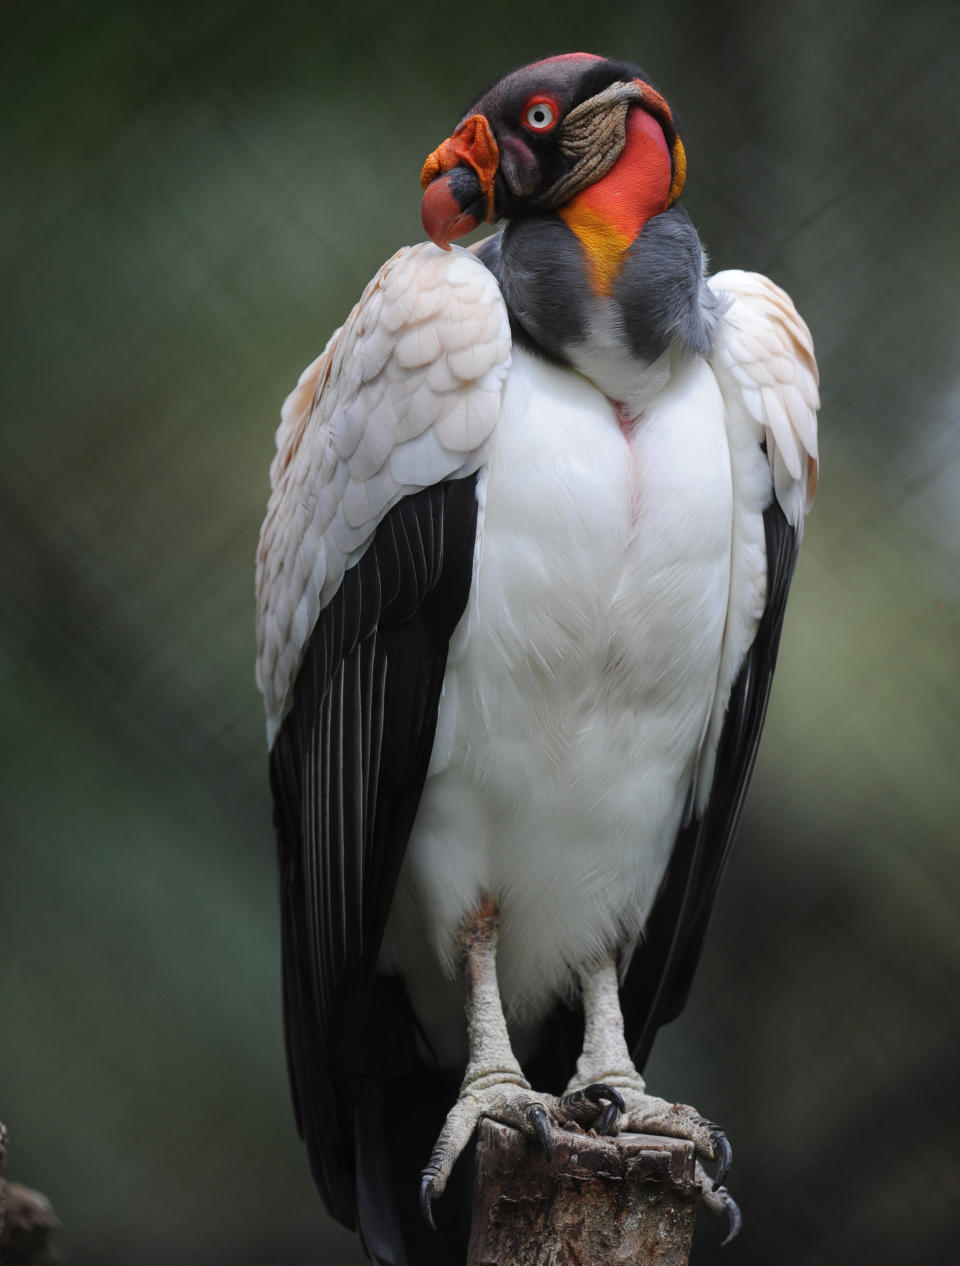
(647, 1114)
(718, 1201)
(509, 1100)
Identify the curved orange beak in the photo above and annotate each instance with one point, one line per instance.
(457, 179)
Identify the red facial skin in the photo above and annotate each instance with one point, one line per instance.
(638, 185)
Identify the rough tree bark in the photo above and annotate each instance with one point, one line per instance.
(629, 1200)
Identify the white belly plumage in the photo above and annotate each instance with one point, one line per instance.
(579, 685)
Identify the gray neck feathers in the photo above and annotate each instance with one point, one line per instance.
(659, 302)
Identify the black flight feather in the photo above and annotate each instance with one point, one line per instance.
(347, 770)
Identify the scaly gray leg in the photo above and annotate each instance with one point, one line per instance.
(494, 1084)
(605, 1058)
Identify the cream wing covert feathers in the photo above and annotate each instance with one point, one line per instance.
(406, 394)
(764, 363)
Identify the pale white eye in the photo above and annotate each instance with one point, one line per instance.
(540, 116)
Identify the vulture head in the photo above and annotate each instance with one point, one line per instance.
(576, 132)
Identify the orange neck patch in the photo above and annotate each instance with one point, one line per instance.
(608, 215)
(603, 243)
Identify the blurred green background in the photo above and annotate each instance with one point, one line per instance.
(191, 198)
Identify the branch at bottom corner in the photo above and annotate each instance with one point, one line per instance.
(27, 1221)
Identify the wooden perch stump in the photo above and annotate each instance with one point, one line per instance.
(629, 1200)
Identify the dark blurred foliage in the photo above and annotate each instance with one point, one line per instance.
(191, 198)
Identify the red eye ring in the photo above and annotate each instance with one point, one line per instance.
(540, 113)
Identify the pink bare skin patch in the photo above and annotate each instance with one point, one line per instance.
(626, 422)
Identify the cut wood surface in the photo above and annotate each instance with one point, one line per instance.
(629, 1200)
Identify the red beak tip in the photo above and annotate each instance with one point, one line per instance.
(442, 216)
(437, 233)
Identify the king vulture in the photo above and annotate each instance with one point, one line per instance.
(535, 510)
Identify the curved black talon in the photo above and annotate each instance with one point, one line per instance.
(541, 1123)
(611, 1114)
(426, 1199)
(580, 1106)
(721, 1145)
(734, 1216)
(597, 1093)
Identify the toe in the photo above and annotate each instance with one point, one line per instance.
(718, 1201)
(713, 1145)
(734, 1217)
(583, 1107)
